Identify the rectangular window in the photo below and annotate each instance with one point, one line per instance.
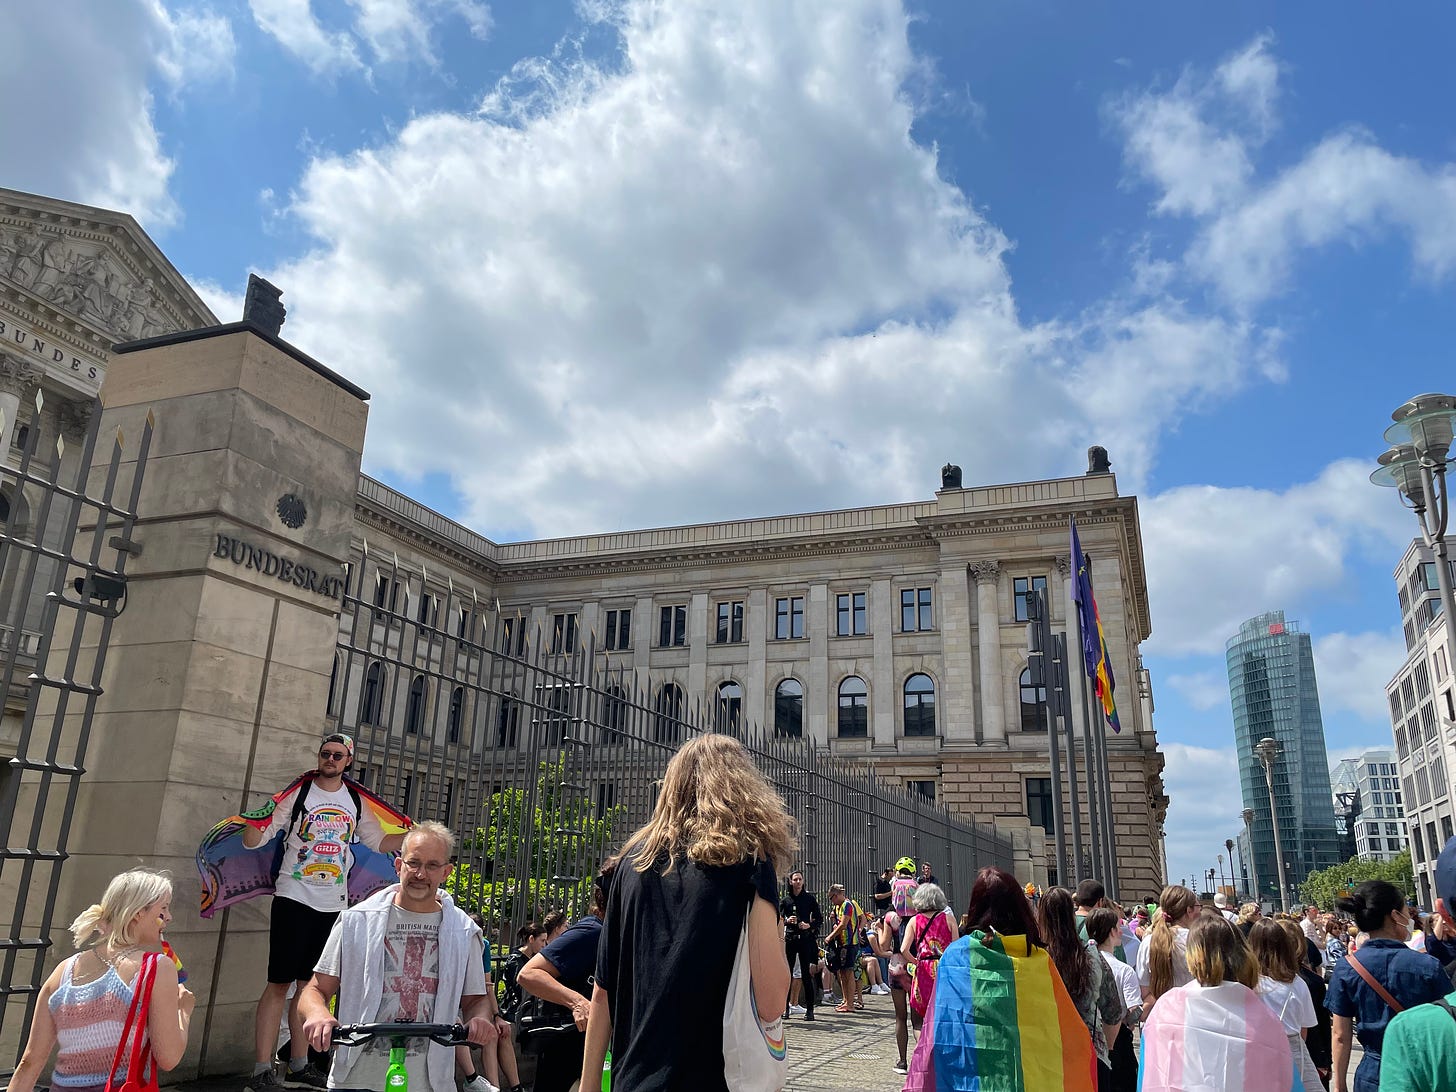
(386, 592)
(429, 614)
(850, 614)
(730, 624)
(1428, 721)
(1416, 846)
(1393, 844)
(1423, 680)
(619, 629)
(1039, 802)
(923, 788)
(1020, 586)
(513, 636)
(1428, 576)
(672, 626)
(915, 610)
(606, 798)
(1431, 838)
(563, 632)
(789, 618)
(1446, 834)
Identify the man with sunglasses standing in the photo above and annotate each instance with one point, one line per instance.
(319, 818)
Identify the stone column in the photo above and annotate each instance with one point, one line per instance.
(987, 574)
(819, 684)
(882, 681)
(18, 380)
(217, 677)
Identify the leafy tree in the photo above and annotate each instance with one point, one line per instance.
(1326, 885)
(532, 838)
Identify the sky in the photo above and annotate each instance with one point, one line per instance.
(613, 264)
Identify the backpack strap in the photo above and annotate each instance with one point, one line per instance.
(1443, 1003)
(300, 807)
(1380, 991)
(358, 805)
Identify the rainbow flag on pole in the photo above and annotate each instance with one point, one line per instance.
(1094, 641)
(1000, 1018)
(231, 872)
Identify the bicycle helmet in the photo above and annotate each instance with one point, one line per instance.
(905, 864)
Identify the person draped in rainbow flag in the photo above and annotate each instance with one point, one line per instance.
(1000, 1019)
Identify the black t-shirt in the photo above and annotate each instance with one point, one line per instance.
(881, 901)
(574, 955)
(805, 907)
(665, 960)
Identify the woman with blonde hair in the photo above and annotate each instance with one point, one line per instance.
(83, 1005)
(1278, 946)
(1212, 1034)
(1161, 961)
(710, 855)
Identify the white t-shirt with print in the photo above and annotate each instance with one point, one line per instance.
(1290, 1002)
(316, 856)
(1127, 981)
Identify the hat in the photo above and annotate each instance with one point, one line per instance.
(1220, 899)
(1446, 881)
(905, 864)
(339, 737)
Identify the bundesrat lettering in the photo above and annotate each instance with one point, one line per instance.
(38, 347)
(268, 563)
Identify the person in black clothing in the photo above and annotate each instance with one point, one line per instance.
(926, 875)
(1317, 1038)
(800, 910)
(882, 893)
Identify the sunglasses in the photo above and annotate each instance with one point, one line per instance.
(336, 756)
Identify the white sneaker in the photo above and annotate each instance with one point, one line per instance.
(479, 1084)
(797, 1010)
(881, 989)
(828, 997)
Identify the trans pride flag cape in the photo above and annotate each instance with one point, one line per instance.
(1211, 1038)
(231, 872)
(1001, 1021)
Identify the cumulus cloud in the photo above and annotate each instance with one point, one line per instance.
(1353, 669)
(90, 137)
(1204, 807)
(644, 293)
(295, 27)
(392, 31)
(1217, 556)
(1203, 690)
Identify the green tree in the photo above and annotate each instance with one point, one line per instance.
(533, 838)
(1326, 885)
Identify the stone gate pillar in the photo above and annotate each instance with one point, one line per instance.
(217, 677)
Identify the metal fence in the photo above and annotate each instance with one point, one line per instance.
(64, 541)
(544, 754)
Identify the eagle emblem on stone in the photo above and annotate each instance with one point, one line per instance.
(292, 511)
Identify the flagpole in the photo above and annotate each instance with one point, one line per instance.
(1090, 755)
(1103, 773)
(1076, 872)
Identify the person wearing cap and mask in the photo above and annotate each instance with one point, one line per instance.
(1420, 1042)
(319, 817)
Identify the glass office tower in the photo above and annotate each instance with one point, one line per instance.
(1272, 685)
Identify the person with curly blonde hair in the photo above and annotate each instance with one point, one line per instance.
(709, 857)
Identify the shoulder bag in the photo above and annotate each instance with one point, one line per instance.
(141, 1072)
(1380, 991)
(754, 1054)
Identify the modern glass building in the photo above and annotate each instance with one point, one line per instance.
(1272, 685)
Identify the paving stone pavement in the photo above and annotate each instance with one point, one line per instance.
(839, 1053)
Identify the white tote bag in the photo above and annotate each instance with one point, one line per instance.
(754, 1056)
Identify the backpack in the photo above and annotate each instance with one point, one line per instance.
(511, 992)
(901, 888)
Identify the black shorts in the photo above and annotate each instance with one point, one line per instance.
(296, 938)
(841, 957)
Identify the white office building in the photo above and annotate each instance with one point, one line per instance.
(1368, 797)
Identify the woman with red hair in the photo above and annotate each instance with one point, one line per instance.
(1000, 1017)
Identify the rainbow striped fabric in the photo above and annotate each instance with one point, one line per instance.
(1001, 1021)
(1208, 1038)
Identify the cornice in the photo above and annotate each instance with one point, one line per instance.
(389, 524)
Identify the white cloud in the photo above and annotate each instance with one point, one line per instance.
(401, 30)
(294, 26)
(644, 294)
(226, 305)
(1204, 807)
(1218, 556)
(1353, 669)
(91, 137)
(1203, 690)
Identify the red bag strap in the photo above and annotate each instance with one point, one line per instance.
(131, 1015)
(1380, 991)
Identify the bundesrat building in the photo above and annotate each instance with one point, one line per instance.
(894, 635)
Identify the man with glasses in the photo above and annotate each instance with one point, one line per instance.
(407, 954)
(318, 819)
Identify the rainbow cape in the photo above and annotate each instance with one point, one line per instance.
(231, 872)
(1000, 1020)
(1207, 1038)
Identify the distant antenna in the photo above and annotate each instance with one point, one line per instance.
(262, 307)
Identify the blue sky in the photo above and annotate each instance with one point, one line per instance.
(614, 264)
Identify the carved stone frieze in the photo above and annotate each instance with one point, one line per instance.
(74, 415)
(18, 377)
(1064, 567)
(986, 571)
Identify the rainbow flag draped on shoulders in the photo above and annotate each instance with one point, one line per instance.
(231, 872)
(1001, 1020)
(1094, 641)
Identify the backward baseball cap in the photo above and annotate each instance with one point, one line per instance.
(1446, 882)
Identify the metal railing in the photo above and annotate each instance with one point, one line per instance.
(544, 754)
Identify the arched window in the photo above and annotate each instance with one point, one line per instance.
(508, 723)
(414, 710)
(919, 706)
(854, 708)
(1033, 705)
(789, 708)
(614, 711)
(669, 714)
(730, 707)
(373, 703)
(457, 714)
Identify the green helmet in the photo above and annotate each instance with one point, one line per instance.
(905, 864)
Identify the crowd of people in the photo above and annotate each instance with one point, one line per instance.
(1027, 989)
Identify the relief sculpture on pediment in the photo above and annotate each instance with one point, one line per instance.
(86, 281)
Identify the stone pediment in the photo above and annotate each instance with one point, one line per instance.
(93, 270)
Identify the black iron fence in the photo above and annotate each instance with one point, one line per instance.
(544, 752)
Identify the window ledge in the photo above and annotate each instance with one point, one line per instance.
(853, 745)
(919, 745)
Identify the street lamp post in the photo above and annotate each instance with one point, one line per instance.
(1266, 749)
(1228, 844)
(1253, 862)
(1422, 433)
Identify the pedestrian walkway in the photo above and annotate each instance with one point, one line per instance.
(839, 1053)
